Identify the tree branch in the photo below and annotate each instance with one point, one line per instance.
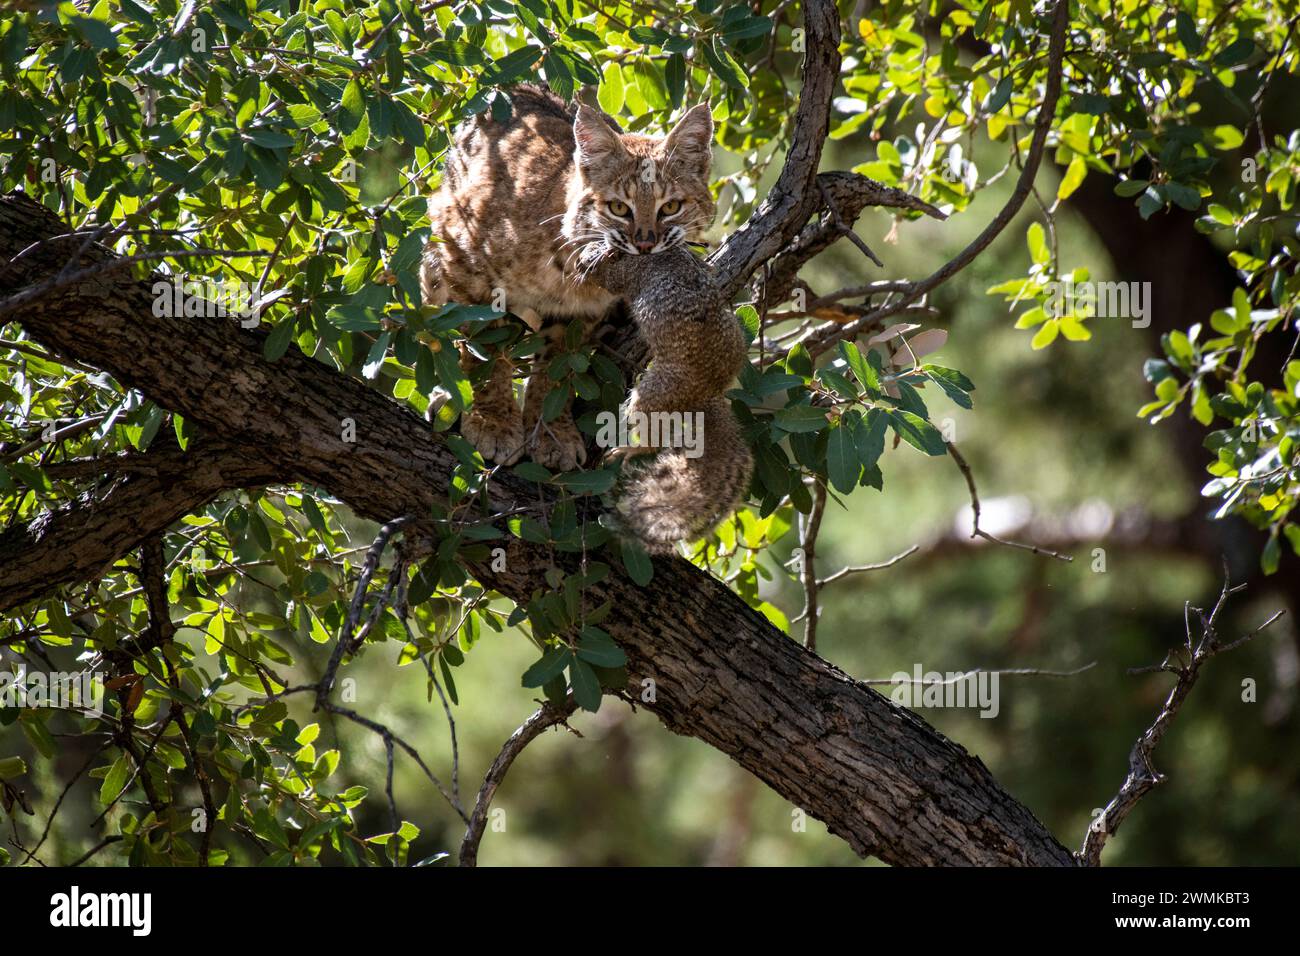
(545, 717)
(1142, 776)
(78, 541)
(793, 198)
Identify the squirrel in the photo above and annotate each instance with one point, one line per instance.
(696, 351)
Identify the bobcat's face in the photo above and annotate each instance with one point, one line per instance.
(641, 194)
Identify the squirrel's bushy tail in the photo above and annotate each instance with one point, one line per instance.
(676, 498)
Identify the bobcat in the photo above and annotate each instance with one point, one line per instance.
(519, 201)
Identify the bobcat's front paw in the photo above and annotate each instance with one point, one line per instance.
(498, 438)
(558, 445)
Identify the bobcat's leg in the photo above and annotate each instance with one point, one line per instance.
(556, 444)
(493, 424)
(433, 291)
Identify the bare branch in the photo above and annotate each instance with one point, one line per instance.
(349, 641)
(845, 195)
(966, 675)
(547, 716)
(812, 526)
(1142, 776)
(844, 572)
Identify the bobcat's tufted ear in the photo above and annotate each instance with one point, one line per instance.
(690, 144)
(596, 142)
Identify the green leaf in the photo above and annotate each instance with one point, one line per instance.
(277, 343)
(1000, 95)
(954, 384)
(1131, 187)
(1221, 214)
(587, 482)
(510, 67)
(1188, 197)
(842, 464)
(115, 780)
(598, 648)
(801, 418)
(1238, 51)
(1036, 239)
(610, 92)
(917, 432)
(1073, 178)
(531, 471)
(749, 321)
(1187, 35)
(723, 66)
(1271, 556)
(552, 663)
(269, 138)
(636, 562)
(1046, 335)
(864, 373)
(869, 436)
(586, 685)
(554, 402)
(353, 107)
(375, 358)
(675, 79)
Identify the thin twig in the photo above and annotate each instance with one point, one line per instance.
(976, 530)
(966, 675)
(107, 841)
(845, 572)
(810, 586)
(346, 643)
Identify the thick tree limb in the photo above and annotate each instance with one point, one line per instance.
(80, 540)
(879, 776)
(699, 658)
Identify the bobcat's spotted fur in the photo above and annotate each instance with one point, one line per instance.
(518, 203)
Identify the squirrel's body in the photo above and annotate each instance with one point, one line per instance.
(696, 350)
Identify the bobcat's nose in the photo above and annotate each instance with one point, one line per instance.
(645, 241)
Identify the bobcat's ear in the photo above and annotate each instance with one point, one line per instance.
(690, 144)
(596, 142)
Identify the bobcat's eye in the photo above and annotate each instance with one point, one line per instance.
(670, 208)
(619, 208)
